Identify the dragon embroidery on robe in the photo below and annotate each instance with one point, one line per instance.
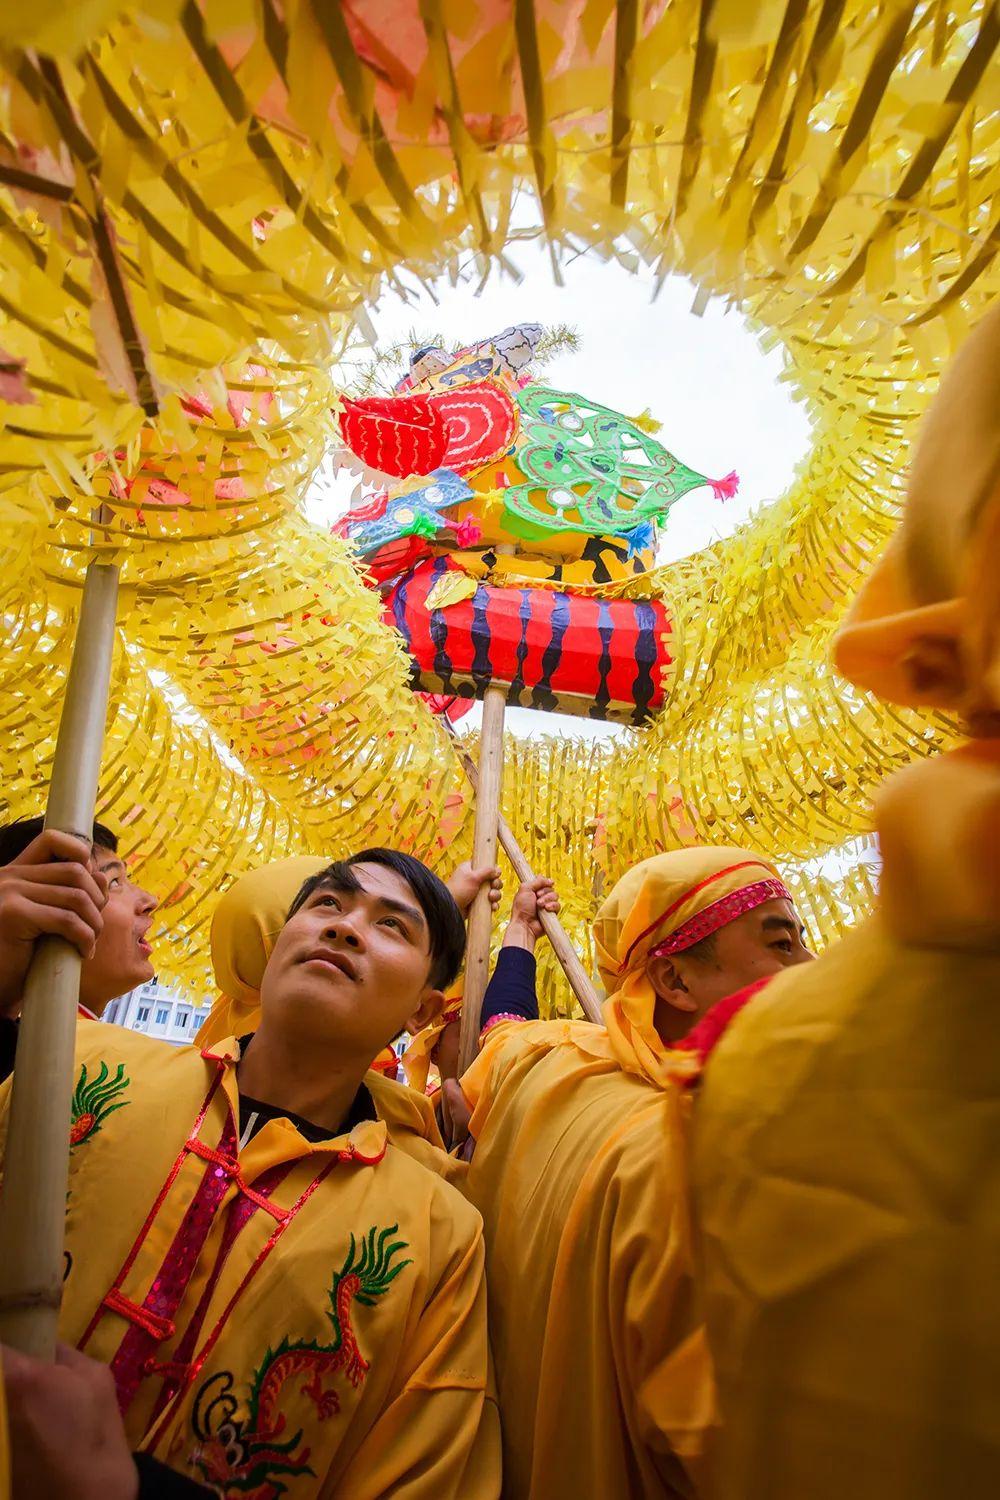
(253, 1454)
(94, 1099)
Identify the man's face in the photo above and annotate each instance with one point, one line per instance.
(122, 954)
(760, 943)
(352, 966)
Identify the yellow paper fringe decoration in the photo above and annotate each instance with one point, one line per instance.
(191, 197)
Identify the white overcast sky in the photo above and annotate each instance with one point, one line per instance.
(718, 396)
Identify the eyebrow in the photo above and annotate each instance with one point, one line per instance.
(403, 910)
(387, 903)
(112, 864)
(770, 924)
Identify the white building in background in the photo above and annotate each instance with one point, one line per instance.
(158, 1011)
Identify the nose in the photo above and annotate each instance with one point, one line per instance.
(343, 927)
(146, 901)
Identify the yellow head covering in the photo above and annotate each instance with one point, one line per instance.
(647, 907)
(926, 630)
(246, 923)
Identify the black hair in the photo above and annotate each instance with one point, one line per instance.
(18, 834)
(703, 951)
(444, 920)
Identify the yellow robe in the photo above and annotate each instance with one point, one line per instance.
(847, 1142)
(291, 1317)
(600, 1360)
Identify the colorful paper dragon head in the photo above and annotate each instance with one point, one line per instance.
(475, 454)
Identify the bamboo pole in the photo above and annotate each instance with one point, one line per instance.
(484, 852)
(33, 1205)
(579, 980)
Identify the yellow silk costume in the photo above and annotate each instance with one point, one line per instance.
(848, 1131)
(245, 925)
(285, 1318)
(601, 1366)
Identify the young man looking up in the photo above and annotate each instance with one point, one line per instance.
(53, 884)
(283, 1298)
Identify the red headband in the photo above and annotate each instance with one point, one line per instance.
(747, 864)
(726, 909)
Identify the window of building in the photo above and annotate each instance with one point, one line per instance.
(143, 1013)
(182, 1017)
(162, 1012)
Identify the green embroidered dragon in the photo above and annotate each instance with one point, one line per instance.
(250, 1455)
(94, 1100)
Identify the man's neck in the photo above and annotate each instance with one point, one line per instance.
(314, 1083)
(672, 1026)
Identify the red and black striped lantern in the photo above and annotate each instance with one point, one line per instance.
(571, 653)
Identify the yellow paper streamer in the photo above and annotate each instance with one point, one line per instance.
(831, 171)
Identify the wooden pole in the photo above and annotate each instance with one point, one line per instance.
(33, 1204)
(484, 852)
(569, 960)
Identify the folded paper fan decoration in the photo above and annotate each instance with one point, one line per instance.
(587, 468)
(398, 435)
(480, 421)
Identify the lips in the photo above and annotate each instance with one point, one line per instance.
(333, 960)
(144, 947)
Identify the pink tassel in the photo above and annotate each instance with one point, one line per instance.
(725, 489)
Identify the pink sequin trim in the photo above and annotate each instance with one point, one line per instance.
(726, 909)
(503, 1015)
(171, 1280)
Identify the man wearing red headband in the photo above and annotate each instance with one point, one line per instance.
(601, 1364)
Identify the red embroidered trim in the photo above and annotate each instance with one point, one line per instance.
(746, 864)
(168, 1286)
(351, 1153)
(172, 1370)
(231, 1167)
(191, 1373)
(726, 909)
(143, 1317)
(157, 1205)
(240, 1212)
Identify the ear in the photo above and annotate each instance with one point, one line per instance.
(668, 984)
(430, 1007)
(934, 665)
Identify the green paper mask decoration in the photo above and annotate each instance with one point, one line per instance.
(588, 469)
